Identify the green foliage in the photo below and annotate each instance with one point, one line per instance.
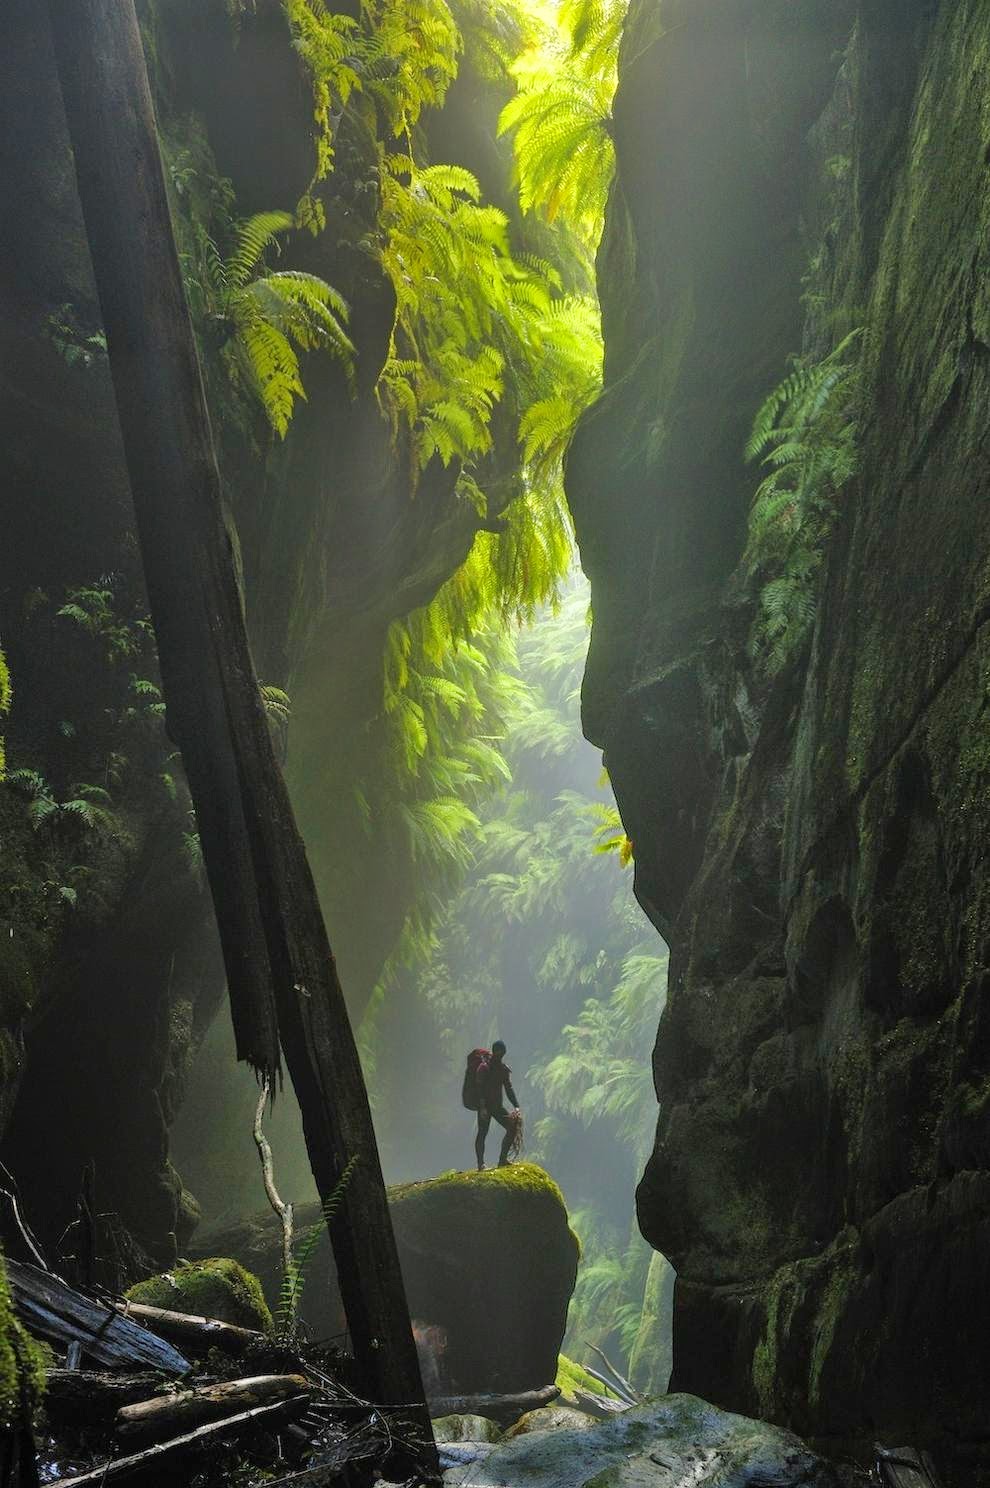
(88, 808)
(598, 1072)
(75, 344)
(560, 118)
(94, 610)
(271, 314)
(806, 433)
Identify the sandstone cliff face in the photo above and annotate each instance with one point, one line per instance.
(812, 846)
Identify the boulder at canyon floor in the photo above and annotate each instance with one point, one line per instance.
(671, 1443)
(489, 1261)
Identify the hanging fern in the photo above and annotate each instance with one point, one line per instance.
(269, 314)
(806, 433)
(560, 118)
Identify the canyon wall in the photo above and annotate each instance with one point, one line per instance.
(810, 843)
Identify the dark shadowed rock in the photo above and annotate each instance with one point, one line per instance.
(812, 844)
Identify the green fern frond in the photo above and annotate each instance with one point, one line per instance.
(806, 433)
(252, 238)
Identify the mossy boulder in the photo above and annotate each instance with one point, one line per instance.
(490, 1261)
(216, 1288)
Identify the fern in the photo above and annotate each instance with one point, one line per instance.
(806, 433)
(269, 314)
(6, 698)
(294, 1279)
(560, 118)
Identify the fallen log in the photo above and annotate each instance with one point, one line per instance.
(48, 1306)
(160, 1461)
(165, 1416)
(599, 1406)
(192, 1332)
(496, 1407)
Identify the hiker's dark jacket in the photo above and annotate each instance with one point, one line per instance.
(491, 1083)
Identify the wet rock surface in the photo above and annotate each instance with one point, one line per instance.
(672, 1443)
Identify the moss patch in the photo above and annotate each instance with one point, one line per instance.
(217, 1288)
(571, 1377)
(22, 1371)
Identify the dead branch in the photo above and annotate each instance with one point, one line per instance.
(198, 1334)
(283, 1210)
(498, 1407)
(165, 1416)
(50, 1307)
(161, 1460)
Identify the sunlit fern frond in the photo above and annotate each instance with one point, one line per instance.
(253, 236)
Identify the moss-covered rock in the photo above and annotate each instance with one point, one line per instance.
(814, 847)
(22, 1368)
(216, 1288)
(489, 1258)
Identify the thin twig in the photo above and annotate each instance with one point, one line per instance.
(284, 1211)
(634, 1396)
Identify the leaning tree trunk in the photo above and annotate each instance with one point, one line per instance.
(281, 972)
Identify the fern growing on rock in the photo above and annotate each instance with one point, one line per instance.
(806, 434)
(269, 313)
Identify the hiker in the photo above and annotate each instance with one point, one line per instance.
(485, 1080)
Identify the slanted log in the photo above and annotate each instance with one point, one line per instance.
(166, 1462)
(496, 1407)
(164, 1416)
(48, 1306)
(189, 1331)
(281, 972)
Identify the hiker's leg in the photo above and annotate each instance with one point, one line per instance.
(484, 1122)
(502, 1117)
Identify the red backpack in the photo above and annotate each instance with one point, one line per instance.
(477, 1067)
